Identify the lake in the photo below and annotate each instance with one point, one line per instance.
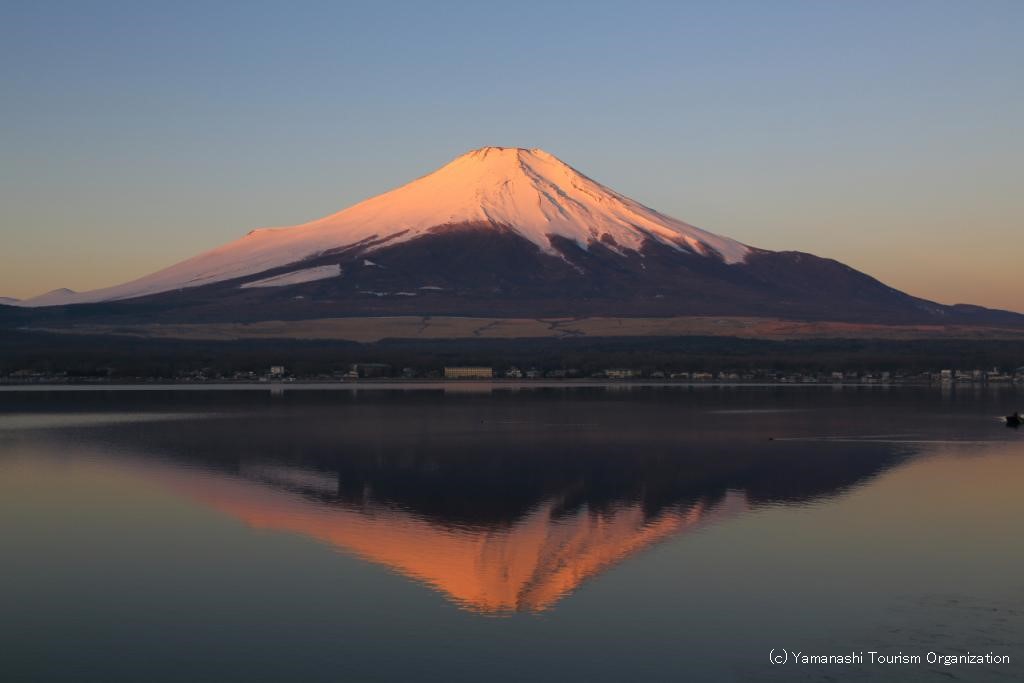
(477, 533)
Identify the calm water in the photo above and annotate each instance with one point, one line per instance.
(547, 535)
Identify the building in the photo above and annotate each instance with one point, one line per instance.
(621, 373)
(468, 372)
(277, 371)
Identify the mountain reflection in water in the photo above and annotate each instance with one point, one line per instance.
(497, 516)
(527, 565)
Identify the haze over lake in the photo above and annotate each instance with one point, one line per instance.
(601, 534)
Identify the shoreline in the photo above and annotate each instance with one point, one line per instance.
(469, 385)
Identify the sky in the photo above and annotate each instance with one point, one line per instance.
(889, 136)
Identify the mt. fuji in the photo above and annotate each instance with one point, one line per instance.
(529, 191)
(512, 232)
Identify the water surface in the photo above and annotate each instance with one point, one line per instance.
(581, 534)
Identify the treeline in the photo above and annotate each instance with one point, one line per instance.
(117, 356)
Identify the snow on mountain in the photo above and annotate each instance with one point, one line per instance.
(296, 277)
(528, 190)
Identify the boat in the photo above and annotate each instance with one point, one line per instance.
(1014, 420)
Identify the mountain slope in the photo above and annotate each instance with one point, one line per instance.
(501, 232)
(529, 191)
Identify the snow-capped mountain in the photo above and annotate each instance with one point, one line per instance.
(527, 190)
(504, 231)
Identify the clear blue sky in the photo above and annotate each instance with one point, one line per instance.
(889, 135)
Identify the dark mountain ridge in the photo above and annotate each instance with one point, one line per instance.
(474, 269)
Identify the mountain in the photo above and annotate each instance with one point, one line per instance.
(528, 191)
(511, 232)
(55, 297)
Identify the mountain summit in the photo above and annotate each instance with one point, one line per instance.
(511, 232)
(528, 191)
